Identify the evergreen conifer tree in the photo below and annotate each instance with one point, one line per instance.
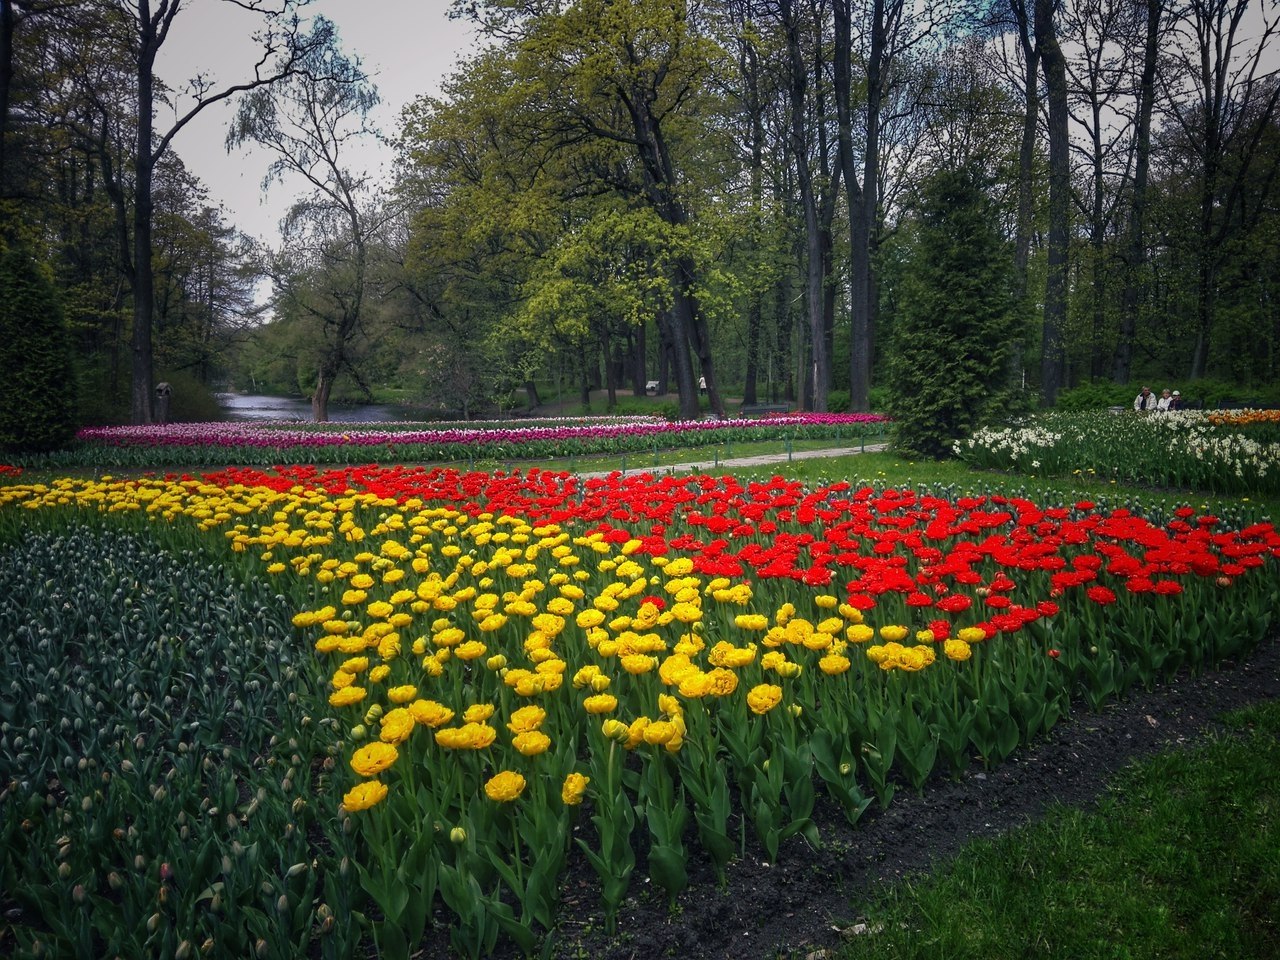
(37, 386)
(957, 315)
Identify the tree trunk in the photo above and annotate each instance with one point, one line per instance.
(1052, 363)
(1026, 149)
(610, 375)
(815, 382)
(885, 18)
(688, 329)
(664, 352)
(1205, 304)
(755, 326)
(1026, 183)
(749, 63)
(783, 340)
(143, 276)
(1134, 295)
(1098, 273)
(639, 361)
(859, 362)
(697, 325)
(827, 244)
(320, 396)
(862, 192)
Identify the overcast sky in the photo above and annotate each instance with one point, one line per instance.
(407, 46)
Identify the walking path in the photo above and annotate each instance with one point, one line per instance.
(761, 460)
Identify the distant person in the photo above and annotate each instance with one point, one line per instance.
(1175, 401)
(1163, 403)
(163, 394)
(1146, 400)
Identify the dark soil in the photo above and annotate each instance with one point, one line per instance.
(803, 903)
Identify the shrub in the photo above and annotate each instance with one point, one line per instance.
(1204, 393)
(38, 389)
(104, 400)
(1098, 395)
(191, 401)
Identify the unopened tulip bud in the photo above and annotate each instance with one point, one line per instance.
(458, 835)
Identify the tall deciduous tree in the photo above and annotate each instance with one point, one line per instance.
(817, 382)
(1099, 96)
(1223, 99)
(1135, 258)
(627, 74)
(149, 26)
(1053, 62)
(306, 119)
(1030, 87)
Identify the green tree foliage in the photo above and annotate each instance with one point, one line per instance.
(37, 391)
(626, 89)
(956, 315)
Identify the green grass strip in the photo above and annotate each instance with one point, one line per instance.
(1180, 860)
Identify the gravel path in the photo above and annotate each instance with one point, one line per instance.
(757, 461)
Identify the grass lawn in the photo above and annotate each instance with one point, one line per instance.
(1180, 860)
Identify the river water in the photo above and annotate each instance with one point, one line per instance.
(248, 406)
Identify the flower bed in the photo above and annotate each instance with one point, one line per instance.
(281, 442)
(1209, 451)
(500, 656)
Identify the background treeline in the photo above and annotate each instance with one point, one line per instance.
(757, 194)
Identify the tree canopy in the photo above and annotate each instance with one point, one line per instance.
(706, 194)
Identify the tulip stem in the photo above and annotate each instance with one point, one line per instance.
(519, 860)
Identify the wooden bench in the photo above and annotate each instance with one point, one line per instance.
(763, 409)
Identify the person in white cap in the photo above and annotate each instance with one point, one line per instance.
(1175, 401)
